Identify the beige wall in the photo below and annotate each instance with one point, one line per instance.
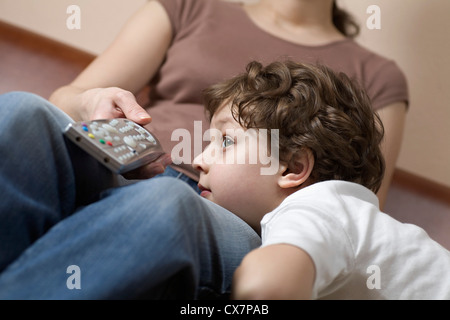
(101, 20)
(413, 32)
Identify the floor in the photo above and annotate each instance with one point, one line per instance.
(409, 205)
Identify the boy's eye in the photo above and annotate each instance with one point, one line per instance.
(227, 141)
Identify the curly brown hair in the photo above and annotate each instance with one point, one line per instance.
(312, 107)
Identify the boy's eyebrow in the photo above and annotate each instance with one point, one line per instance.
(224, 120)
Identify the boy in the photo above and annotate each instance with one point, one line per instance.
(323, 235)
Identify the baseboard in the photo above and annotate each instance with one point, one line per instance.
(42, 44)
(422, 186)
(39, 64)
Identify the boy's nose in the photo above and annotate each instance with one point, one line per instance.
(199, 164)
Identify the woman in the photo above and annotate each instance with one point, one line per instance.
(154, 237)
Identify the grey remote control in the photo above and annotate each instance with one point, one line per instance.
(119, 144)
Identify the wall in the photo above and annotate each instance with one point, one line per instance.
(101, 20)
(413, 33)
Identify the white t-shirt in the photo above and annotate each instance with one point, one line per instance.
(358, 251)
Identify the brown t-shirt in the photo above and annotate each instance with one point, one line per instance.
(214, 40)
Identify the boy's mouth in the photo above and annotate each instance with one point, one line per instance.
(204, 192)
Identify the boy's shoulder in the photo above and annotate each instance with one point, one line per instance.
(332, 192)
(333, 203)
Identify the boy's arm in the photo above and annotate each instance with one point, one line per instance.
(275, 272)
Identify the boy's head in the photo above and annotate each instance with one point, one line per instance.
(327, 130)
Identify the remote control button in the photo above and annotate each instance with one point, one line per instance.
(114, 122)
(109, 128)
(90, 135)
(151, 139)
(125, 129)
(120, 149)
(99, 133)
(127, 156)
(130, 141)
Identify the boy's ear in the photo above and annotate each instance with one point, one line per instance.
(299, 170)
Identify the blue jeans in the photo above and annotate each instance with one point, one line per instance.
(65, 233)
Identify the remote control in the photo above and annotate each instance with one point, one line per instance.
(119, 144)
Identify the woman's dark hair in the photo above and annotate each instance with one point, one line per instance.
(344, 22)
(314, 108)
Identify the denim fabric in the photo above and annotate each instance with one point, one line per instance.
(170, 172)
(155, 239)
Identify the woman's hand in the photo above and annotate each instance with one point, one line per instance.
(110, 103)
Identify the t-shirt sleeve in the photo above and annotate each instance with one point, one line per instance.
(183, 14)
(389, 85)
(319, 235)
